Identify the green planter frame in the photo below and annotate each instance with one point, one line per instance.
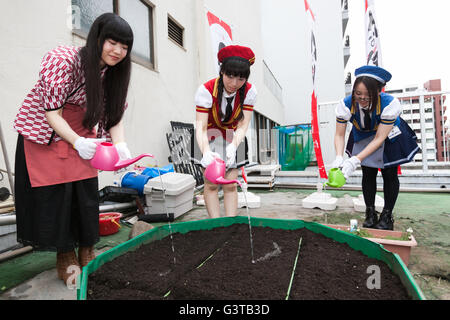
(367, 247)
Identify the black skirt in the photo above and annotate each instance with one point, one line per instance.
(58, 217)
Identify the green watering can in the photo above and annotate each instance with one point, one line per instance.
(336, 178)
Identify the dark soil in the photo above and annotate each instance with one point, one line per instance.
(326, 269)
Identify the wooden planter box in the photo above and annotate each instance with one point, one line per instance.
(401, 247)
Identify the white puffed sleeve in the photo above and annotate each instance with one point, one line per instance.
(342, 112)
(392, 111)
(250, 98)
(203, 98)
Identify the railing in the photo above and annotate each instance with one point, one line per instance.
(271, 82)
(424, 112)
(419, 111)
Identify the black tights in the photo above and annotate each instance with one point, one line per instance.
(391, 186)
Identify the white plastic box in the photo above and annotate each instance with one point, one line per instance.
(178, 197)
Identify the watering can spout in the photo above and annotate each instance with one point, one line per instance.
(125, 163)
(221, 180)
(107, 158)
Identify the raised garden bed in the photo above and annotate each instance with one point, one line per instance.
(293, 260)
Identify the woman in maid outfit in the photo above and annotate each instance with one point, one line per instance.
(380, 139)
(78, 100)
(224, 108)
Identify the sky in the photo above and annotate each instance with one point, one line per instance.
(414, 36)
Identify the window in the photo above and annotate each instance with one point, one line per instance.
(86, 11)
(175, 31)
(138, 13)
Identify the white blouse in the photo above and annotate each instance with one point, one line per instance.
(203, 98)
(390, 112)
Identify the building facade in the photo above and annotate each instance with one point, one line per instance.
(424, 111)
(173, 55)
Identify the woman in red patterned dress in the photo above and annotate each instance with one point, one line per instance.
(78, 99)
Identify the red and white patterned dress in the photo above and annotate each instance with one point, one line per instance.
(60, 75)
(50, 160)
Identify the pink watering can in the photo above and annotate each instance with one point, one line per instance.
(107, 158)
(215, 173)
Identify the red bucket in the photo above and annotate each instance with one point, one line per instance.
(109, 223)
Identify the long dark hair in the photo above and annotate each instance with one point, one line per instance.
(373, 87)
(237, 67)
(106, 100)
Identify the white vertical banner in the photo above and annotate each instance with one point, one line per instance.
(373, 50)
(314, 106)
(221, 36)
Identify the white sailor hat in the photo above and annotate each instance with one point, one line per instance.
(375, 72)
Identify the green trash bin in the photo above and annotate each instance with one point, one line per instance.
(295, 147)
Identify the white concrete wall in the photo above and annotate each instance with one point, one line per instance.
(286, 44)
(245, 20)
(30, 28)
(330, 73)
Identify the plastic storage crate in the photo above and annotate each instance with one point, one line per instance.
(178, 195)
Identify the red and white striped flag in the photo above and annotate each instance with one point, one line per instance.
(314, 114)
(221, 36)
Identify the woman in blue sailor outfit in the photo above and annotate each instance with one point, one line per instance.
(380, 139)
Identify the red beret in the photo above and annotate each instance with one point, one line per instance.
(236, 51)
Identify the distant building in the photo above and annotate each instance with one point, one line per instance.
(433, 117)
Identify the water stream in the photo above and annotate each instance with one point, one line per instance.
(167, 212)
(244, 191)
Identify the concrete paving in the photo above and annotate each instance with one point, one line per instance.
(427, 213)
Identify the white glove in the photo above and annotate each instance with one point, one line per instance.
(86, 147)
(231, 154)
(349, 166)
(208, 157)
(337, 162)
(122, 149)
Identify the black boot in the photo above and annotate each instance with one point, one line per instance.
(386, 220)
(371, 218)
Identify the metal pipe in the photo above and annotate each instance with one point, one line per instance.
(5, 156)
(117, 206)
(11, 219)
(11, 254)
(443, 128)
(355, 188)
(423, 133)
(7, 220)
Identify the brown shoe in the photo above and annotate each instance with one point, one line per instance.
(67, 267)
(85, 255)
